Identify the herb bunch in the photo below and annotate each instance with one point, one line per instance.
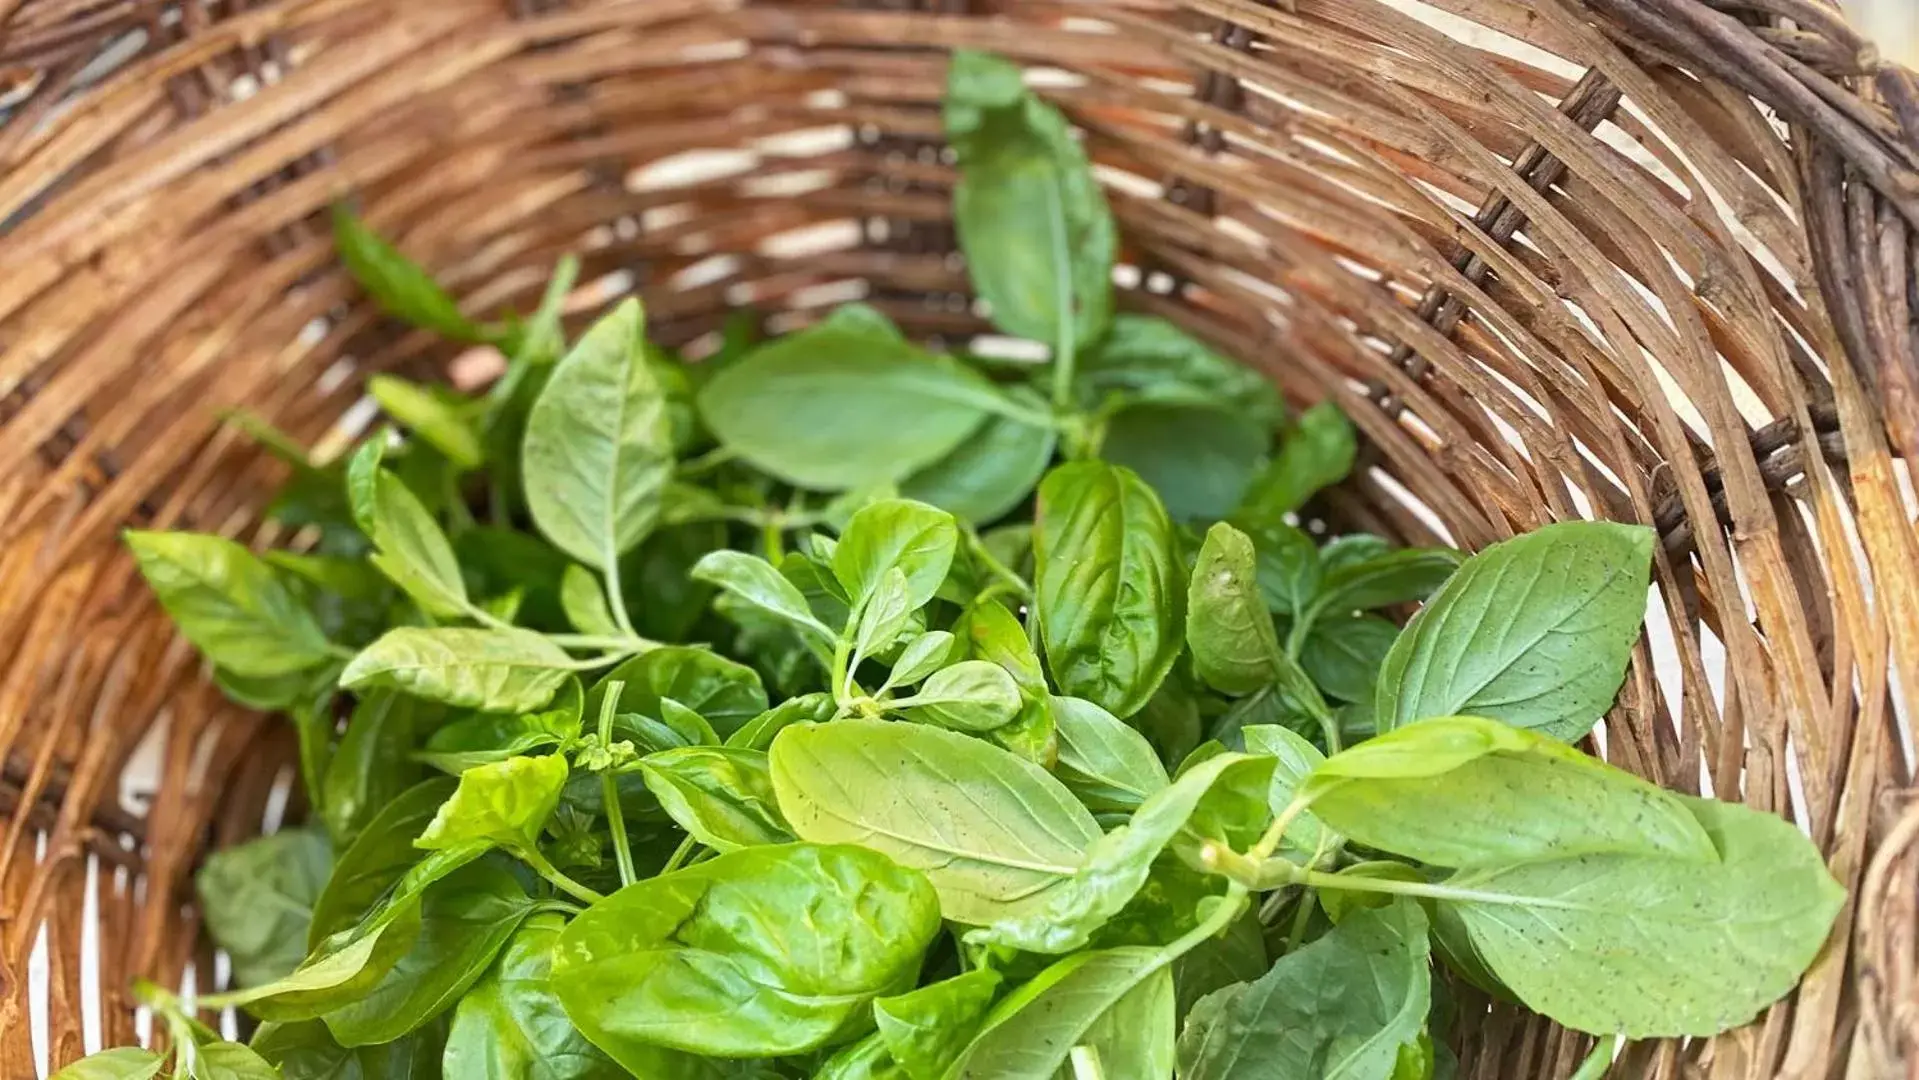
(835, 709)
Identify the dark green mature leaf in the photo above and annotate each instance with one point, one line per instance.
(991, 471)
(760, 952)
(924, 1029)
(1118, 1001)
(1038, 237)
(1227, 626)
(1464, 791)
(119, 1063)
(1339, 1008)
(433, 415)
(1535, 631)
(306, 1050)
(1343, 655)
(257, 899)
(1117, 864)
(826, 408)
(465, 919)
(914, 538)
(511, 1026)
(1200, 458)
(722, 796)
(229, 603)
(760, 584)
(1648, 945)
(1149, 358)
(493, 670)
(599, 445)
(724, 694)
(1289, 566)
(972, 695)
(397, 283)
(497, 561)
(1107, 764)
(758, 733)
(371, 766)
(1316, 454)
(1107, 589)
(994, 833)
(1396, 577)
(505, 803)
(1236, 956)
(375, 861)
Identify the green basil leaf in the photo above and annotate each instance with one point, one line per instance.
(505, 803)
(1200, 458)
(723, 797)
(1236, 956)
(413, 552)
(1295, 758)
(1119, 1002)
(1118, 863)
(1109, 766)
(760, 584)
(1343, 655)
(1170, 720)
(758, 733)
(483, 738)
(914, 538)
(397, 283)
(867, 1059)
(988, 474)
(1351, 550)
(465, 919)
(584, 602)
(1290, 568)
(257, 899)
(492, 670)
(926, 1028)
(377, 860)
(1146, 357)
(429, 414)
(886, 615)
(371, 766)
(1318, 453)
(1650, 946)
(499, 560)
(1340, 903)
(759, 952)
(921, 657)
(1464, 791)
(599, 445)
(306, 1050)
(724, 694)
(228, 1061)
(994, 833)
(972, 695)
(1535, 631)
(1110, 609)
(1398, 577)
(119, 1063)
(1227, 626)
(823, 408)
(1340, 1008)
(229, 603)
(1038, 237)
(511, 1026)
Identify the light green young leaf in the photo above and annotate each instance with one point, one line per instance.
(413, 552)
(993, 832)
(1316, 454)
(1118, 1001)
(1227, 626)
(504, 803)
(761, 952)
(257, 899)
(483, 738)
(585, 603)
(921, 657)
(119, 1063)
(760, 584)
(825, 408)
(229, 1061)
(1110, 607)
(885, 615)
(1464, 791)
(431, 416)
(397, 283)
(370, 766)
(1339, 1008)
(925, 1028)
(1535, 631)
(492, 670)
(972, 695)
(1296, 759)
(1118, 864)
(510, 1025)
(917, 539)
(229, 603)
(599, 445)
(723, 797)
(1038, 236)
(1652, 946)
(1108, 765)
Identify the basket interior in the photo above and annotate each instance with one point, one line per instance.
(1550, 268)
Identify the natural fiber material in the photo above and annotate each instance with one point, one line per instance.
(1646, 259)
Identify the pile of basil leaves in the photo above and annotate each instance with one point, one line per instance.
(836, 709)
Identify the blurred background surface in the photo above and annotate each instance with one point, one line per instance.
(1894, 23)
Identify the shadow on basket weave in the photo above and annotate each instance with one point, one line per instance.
(1650, 260)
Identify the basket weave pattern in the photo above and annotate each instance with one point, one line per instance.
(1651, 260)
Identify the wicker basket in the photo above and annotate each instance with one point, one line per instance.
(1649, 259)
